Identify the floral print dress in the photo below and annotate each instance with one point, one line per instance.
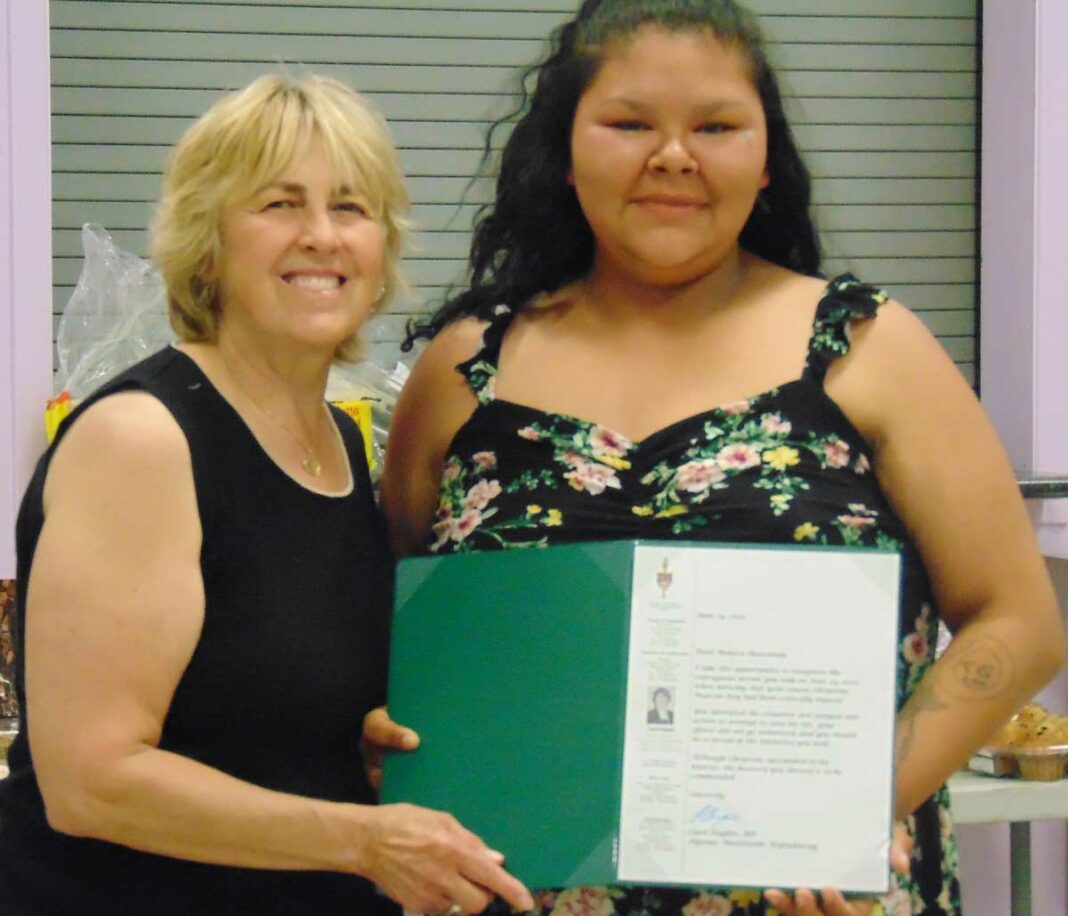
(784, 466)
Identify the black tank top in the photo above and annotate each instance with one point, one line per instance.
(291, 656)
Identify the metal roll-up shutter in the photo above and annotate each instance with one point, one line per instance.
(882, 94)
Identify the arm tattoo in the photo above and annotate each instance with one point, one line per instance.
(925, 699)
(979, 669)
(973, 670)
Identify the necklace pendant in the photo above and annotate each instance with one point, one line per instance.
(312, 465)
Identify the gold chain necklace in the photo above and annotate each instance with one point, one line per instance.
(310, 462)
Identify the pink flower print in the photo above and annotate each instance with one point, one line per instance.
(481, 493)
(608, 442)
(698, 476)
(862, 465)
(706, 904)
(572, 458)
(915, 648)
(489, 390)
(856, 521)
(774, 425)
(445, 527)
(736, 408)
(584, 901)
(544, 899)
(836, 453)
(859, 516)
(467, 523)
(738, 457)
(529, 432)
(593, 478)
(443, 531)
(451, 472)
(486, 461)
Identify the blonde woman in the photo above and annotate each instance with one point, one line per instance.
(203, 580)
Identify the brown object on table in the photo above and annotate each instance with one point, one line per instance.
(1034, 743)
(1045, 754)
(1042, 764)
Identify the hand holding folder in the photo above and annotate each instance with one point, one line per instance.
(529, 676)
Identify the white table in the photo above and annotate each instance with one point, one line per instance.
(980, 799)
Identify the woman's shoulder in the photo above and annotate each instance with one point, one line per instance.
(129, 419)
(438, 391)
(455, 343)
(128, 442)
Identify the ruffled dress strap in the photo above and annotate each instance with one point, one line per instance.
(481, 369)
(845, 300)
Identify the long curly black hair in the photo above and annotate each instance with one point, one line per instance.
(534, 237)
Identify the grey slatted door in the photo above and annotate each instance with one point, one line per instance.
(882, 94)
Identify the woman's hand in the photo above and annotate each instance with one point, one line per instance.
(428, 862)
(831, 902)
(381, 733)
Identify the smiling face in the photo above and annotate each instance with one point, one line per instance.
(668, 153)
(302, 258)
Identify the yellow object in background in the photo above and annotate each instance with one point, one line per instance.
(56, 411)
(360, 411)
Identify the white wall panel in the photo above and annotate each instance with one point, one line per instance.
(882, 94)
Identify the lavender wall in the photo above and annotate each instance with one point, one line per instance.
(1024, 322)
(25, 254)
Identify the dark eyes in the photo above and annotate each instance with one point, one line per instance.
(634, 126)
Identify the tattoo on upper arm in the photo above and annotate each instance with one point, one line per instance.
(974, 669)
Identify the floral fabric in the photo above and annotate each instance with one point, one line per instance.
(783, 466)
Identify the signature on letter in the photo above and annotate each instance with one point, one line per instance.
(713, 814)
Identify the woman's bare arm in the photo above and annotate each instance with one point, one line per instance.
(116, 605)
(944, 471)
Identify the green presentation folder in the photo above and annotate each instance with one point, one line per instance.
(548, 718)
(513, 668)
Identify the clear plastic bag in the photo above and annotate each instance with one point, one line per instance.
(116, 316)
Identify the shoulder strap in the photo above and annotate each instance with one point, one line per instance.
(481, 369)
(845, 300)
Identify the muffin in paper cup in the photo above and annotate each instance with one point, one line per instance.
(1042, 764)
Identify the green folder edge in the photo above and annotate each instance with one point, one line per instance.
(557, 744)
(431, 693)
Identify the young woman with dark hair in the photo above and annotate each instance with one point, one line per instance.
(645, 350)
